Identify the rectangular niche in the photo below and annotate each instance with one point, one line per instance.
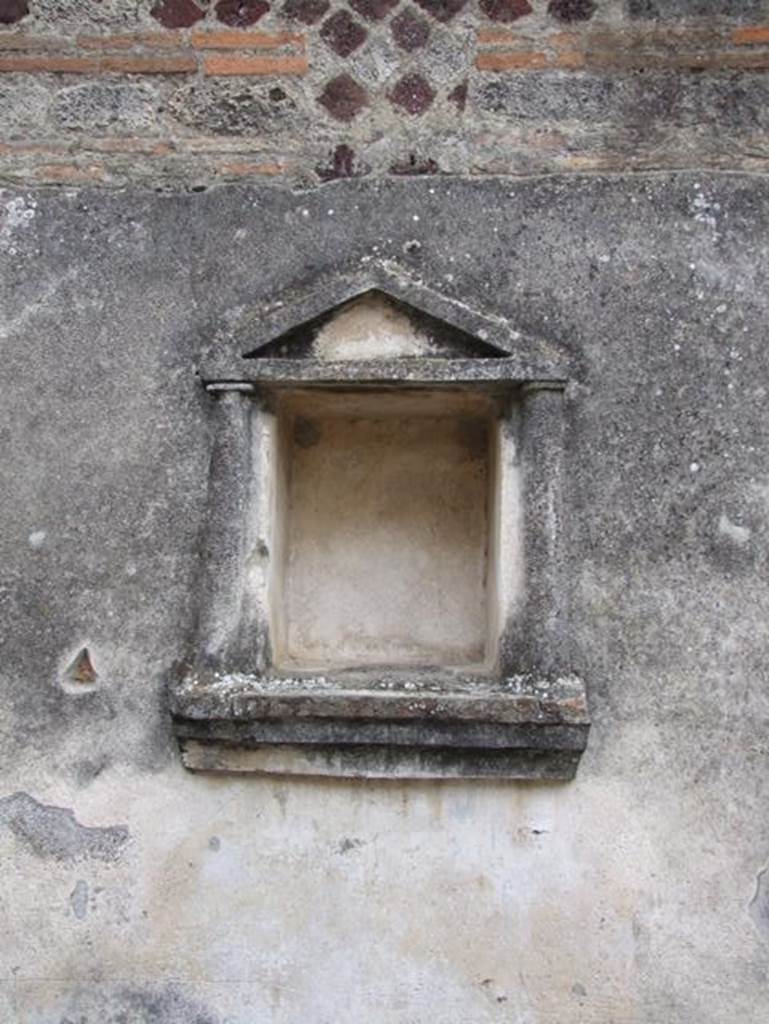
(386, 511)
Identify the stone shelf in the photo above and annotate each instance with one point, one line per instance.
(402, 724)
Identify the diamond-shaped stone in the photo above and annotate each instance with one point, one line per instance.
(442, 10)
(409, 31)
(343, 33)
(12, 11)
(177, 13)
(412, 93)
(373, 10)
(306, 11)
(343, 97)
(571, 10)
(241, 13)
(505, 10)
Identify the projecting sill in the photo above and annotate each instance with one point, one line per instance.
(397, 725)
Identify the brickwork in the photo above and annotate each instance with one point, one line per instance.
(187, 93)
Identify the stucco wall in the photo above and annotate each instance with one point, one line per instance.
(134, 891)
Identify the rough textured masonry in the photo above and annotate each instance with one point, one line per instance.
(589, 173)
(189, 93)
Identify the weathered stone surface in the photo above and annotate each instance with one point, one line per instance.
(241, 108)
(101, 106)
(71, 14)
(24, 109)
(359, 761)
(661, 99)
(600, 899)
(388, 696)
(640, 85)
(670, 10)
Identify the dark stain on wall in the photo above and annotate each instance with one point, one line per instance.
(151, 1005)
(759, 905)
(54, 832)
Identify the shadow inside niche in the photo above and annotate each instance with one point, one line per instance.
(80, 676)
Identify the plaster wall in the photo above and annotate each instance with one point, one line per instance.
(133, 891)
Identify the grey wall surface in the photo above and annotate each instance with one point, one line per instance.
(638, 894)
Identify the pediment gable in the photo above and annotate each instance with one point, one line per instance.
(376, 315)
(374, 325)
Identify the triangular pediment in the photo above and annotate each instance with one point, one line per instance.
(374, 325)
(375, 315)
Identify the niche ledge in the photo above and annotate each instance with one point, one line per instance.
(391, 725)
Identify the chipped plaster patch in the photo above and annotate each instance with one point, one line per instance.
(738, 534)
(17, 213)
(761, 492)
(78, 900)
(759, 904)
(50, 831)
(705, 211)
